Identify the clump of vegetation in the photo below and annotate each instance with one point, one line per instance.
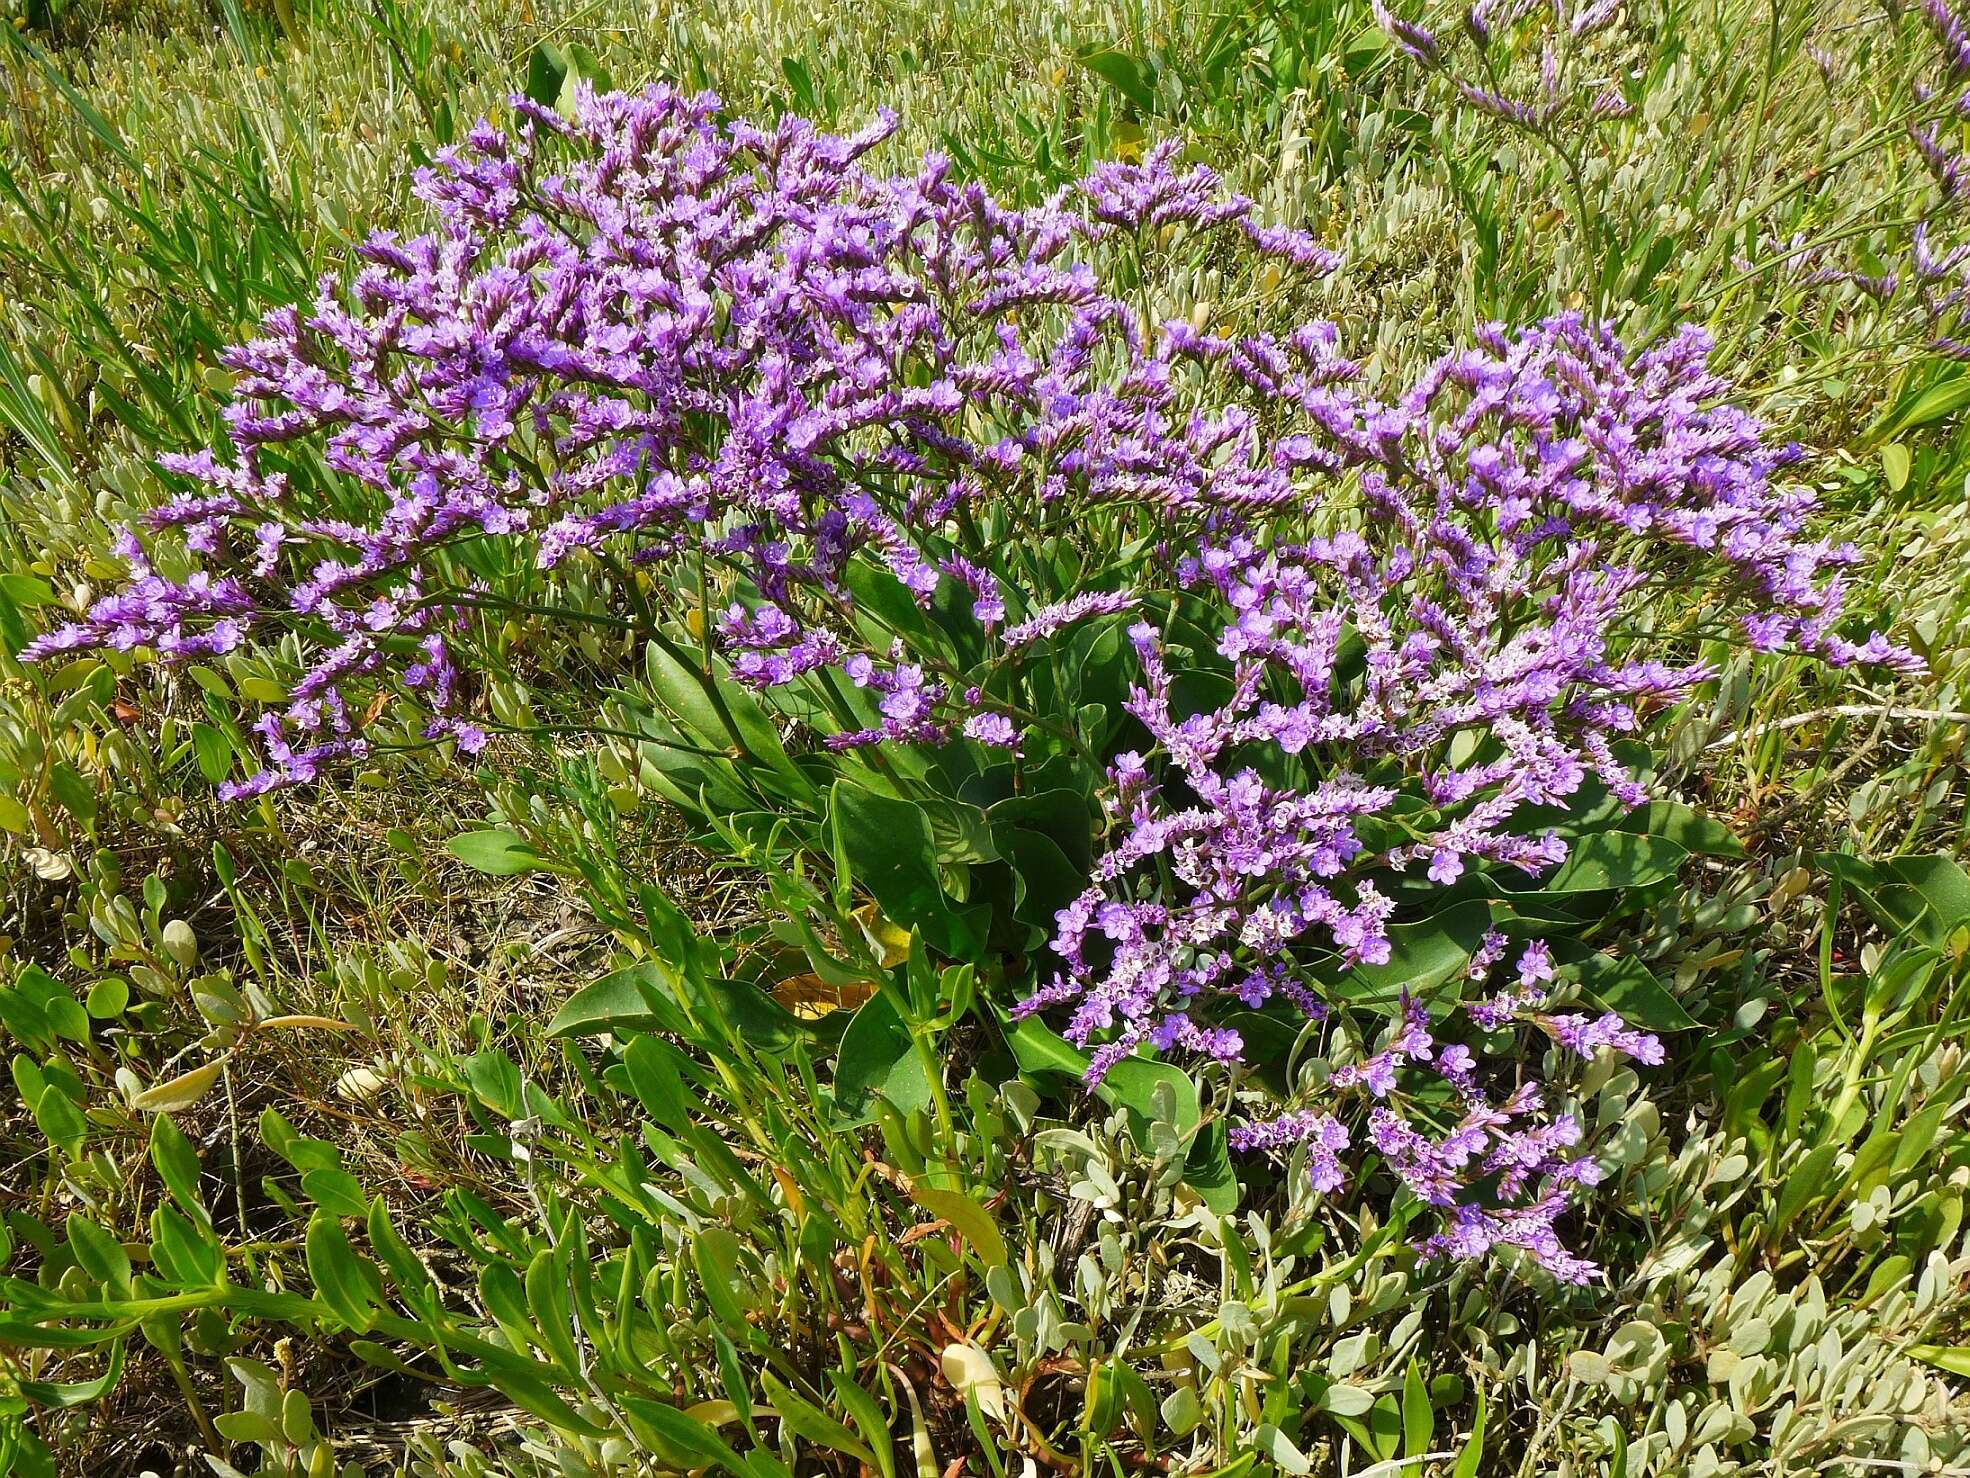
(547, 873)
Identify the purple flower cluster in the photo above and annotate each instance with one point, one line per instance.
(693, 341)
(1457, 640)
(1562, 89)
(1438, 1130)
(1926, 298)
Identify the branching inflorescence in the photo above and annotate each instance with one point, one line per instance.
(699, 346)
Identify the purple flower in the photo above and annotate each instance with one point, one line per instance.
(1326, 1136)
(1421, 45)
(1588, 1036)
(1057, 617)
(993, 729)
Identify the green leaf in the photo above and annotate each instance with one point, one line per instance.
(504, 1298)
(622, 1003)
(546, 70)
(1472, 1455)
(496, 851)
(547, 1285)
(1953, 1358)
(1692, 830)
(1208, 1169)
(337, 1192)
(1284, 1452)
(1418, 1419)
(523, 1381)
(214, 752)
(746, 742)
(868, 1418)
(1944, 397)
(1629, 988)
(683, 1439)
(67, 1018)
(108, 997)
(184, 1251)
(1805, 1183)
(878, 1057)
(92, 117)
(212, 682)
(1613, 859)
(33, 1336)
(890, 852)
(1939, 881)
(1894, 465)
(1926, 895)
(718, 1255)
(404, 1265)
(959, 831)
(177, 1166)
(495, 1079)
(100, 1255)
(584, 64)
(652, 996)
(1061, 815)
(344, 1281)
(58, 1117)
(1123, 73)
(656, 1079)
(804, 1420)
(78, 796)
(1131, 1085)
(746, 1012)
(27, 591)
(250, 1426)
(1041, 1051)
(972, 1221)
(1423, 956)
(59, 1395)
(1044, 881)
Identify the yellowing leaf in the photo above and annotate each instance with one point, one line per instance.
(970, 1220)
(969, 1368)
(14, 816)
(892, 942)
(178, 1093)
(796, 1202)
(808, 996)
(1894, 465)
(360, 1083)
(320, 1023)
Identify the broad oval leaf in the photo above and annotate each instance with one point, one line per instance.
(497, 852)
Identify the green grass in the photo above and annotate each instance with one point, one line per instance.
(1789, 1290)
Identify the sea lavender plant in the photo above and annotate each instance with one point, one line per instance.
(1550, 72)
(1924, 297)
(742, 363)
